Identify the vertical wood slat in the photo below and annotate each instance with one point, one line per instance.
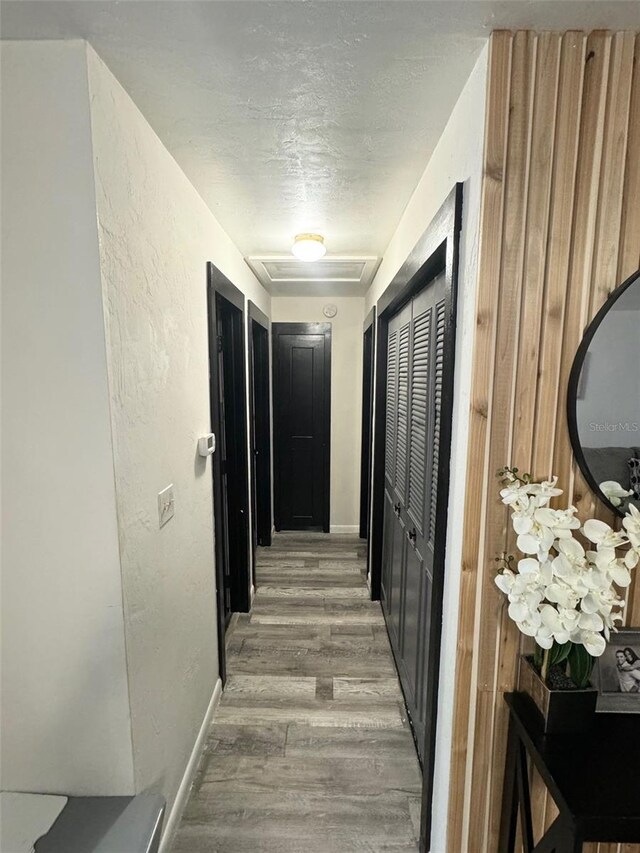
(558, 247)
(585, 211)
(629, 256)
(538, 201)
(569, 109)
(496, 130)
(526, 351)
(608, 229)
(504, 370)
(579, 225)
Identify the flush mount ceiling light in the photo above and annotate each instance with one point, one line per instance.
(309, 247)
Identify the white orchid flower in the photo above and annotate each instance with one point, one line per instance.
(561, 521)
(528, 566)
(609, 624)
(614, 492)
(559, 592)
(504, 581)
(612, 568)
(632, 558)
(601, 534)
(631, 523)
(530, 625)
(570, 562)
(536, 572)
(539, 541)
(515, 492)
(522, 519)
(594, 643)
(619, 573)
(552, 625)
(602, 557)
(572, 550)
(543, 638)
(566, 575)
(543, 492)
(562, 595)
(590, 622)
(519, 611)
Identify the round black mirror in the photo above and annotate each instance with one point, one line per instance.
(603, 403)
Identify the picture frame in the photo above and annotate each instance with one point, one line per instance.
(616, 674)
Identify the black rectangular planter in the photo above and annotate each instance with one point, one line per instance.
(562, 711)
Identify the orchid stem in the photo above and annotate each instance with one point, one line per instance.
(544, 671)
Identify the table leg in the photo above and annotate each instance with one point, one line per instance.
(574, 841)
(509, 817)
(562, 837)
(524, 798)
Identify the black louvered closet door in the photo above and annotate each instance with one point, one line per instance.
(415, 365)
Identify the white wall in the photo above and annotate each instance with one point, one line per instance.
(346, 394)
(109, 623)
(457, 158)
(65, 706)
(156, 235)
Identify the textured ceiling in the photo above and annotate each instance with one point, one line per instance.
(298, 116)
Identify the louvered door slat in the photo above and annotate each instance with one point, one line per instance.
(419, 416)
(402, 437)
(437, 409)
(392, 405)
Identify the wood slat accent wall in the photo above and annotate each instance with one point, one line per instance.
(560, 228)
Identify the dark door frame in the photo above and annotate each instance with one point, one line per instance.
(435, 252)
(219, 287)
(366, 446)
(260, 434)
(308, 329)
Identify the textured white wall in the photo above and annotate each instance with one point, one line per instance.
(65, 709)
(457, 158)
(156, 235)
(346, 392)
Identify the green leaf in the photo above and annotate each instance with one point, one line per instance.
(580, 665)
(560, 652)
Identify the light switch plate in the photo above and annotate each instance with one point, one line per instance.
(166, 505)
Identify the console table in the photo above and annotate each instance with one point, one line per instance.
(594, 779)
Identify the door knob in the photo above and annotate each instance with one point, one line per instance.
(396, 508)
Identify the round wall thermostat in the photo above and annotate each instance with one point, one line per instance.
(330, 310)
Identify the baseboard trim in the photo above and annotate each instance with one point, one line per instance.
(344, 528)
(175, 815)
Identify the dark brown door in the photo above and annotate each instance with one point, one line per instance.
(230, 462)
(260, 425)
(302, 421)
(415, 370)
(232, 453)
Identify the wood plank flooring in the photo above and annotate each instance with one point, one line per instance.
(310, 750)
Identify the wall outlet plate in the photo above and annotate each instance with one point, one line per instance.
(207, 445)
(166, 505)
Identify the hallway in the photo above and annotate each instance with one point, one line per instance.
(310, 749)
